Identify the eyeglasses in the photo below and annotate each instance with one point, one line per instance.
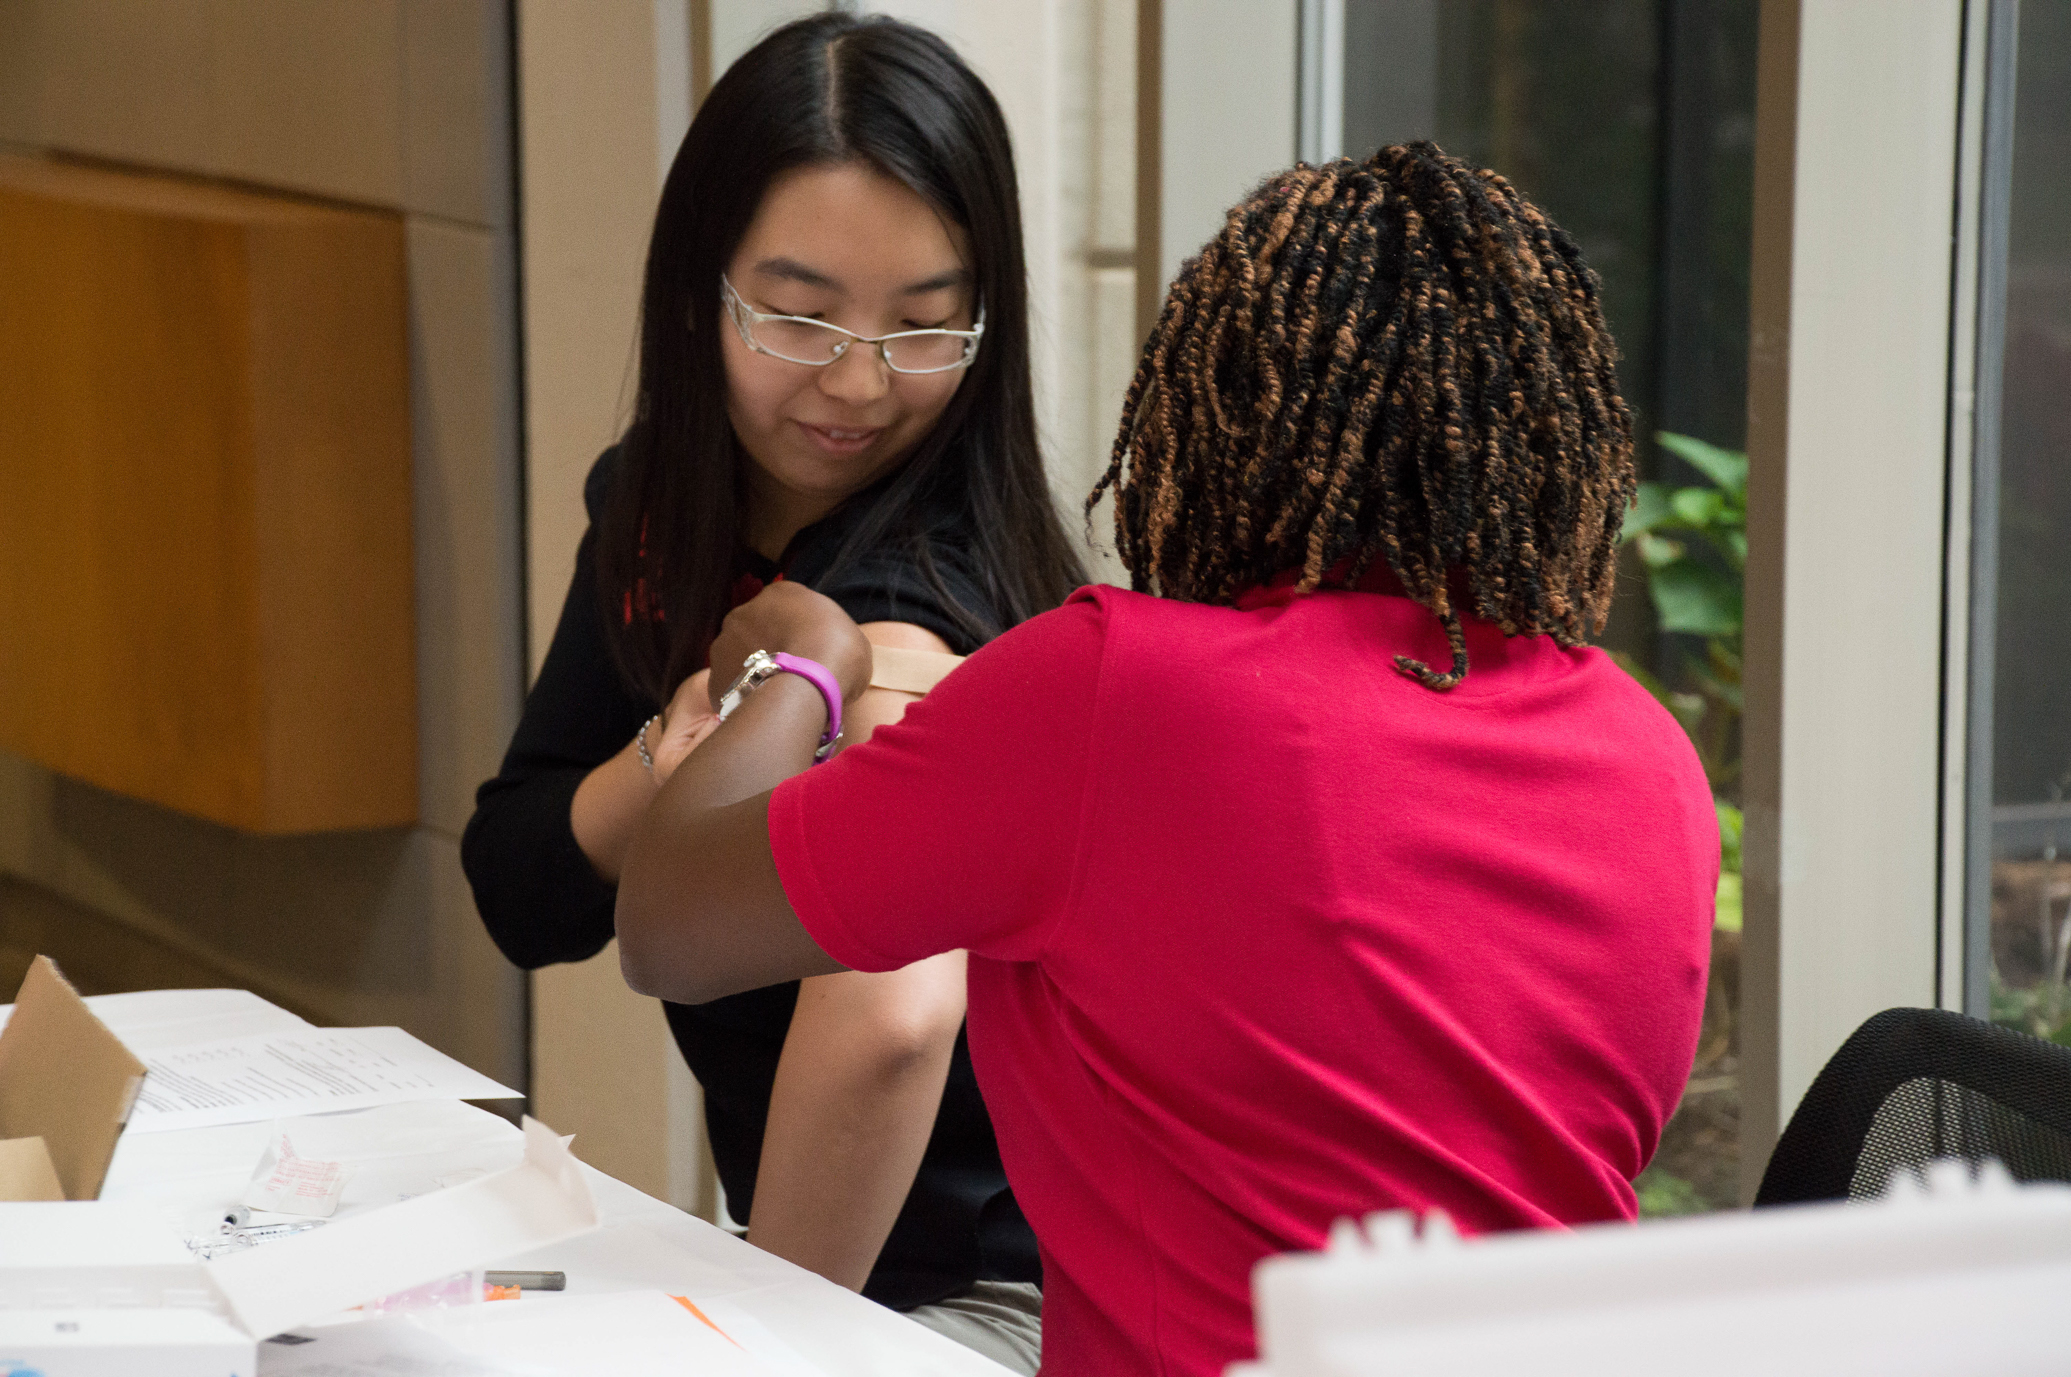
(815, 343)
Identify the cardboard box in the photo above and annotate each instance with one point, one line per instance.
(66, 1088)
(95, 1289)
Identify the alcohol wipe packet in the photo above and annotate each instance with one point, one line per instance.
(287, 1184)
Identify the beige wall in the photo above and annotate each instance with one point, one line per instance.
(401, 104)
(1229, 113)
(597, 81)
(1848, 431)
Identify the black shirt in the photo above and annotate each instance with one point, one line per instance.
(543, 903)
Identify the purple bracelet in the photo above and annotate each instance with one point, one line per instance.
(818, 675)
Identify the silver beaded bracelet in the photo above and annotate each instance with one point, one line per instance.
(640, 742)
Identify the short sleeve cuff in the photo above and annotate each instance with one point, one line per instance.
(809, 898)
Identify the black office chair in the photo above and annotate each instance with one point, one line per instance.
(1913, 1085)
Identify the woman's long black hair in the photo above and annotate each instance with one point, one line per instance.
(829, 89)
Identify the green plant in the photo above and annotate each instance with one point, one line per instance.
(1662, 1196)
(1728, 914)
(1691, 595)
(2031, 1010)
(1693, 543)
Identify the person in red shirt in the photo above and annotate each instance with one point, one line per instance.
(1328, 870)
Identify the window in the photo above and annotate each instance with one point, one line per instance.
(2018, 868)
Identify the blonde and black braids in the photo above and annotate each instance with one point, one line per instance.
(1398, 359)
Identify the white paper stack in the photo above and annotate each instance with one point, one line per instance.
(229, 1057)
(311, 1071)
(1960, 1275)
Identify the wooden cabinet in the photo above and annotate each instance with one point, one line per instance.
(205, 498)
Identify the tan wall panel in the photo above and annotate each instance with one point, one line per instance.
(400, 103)
(19, 51)
(1227, 117)
(1112, 364)
(738, 25)
(309, 94)
(371, 927)
(1113, 145)
(27, 847)
(204, 468)
(470, 673)
(478, 1008)
(351, 928)
(602, 1058)
(150, 868)
(586, 78)
(98, 954)
(456, 75)
(125, 79)
(600, 1070)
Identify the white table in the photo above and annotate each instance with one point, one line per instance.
(194, 1175)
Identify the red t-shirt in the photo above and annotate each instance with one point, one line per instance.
(1263, 933)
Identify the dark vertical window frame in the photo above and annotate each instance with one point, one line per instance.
(1150, 162)
(1950, 796)
(1699, 366)
(1994, 223)
(1682, 314)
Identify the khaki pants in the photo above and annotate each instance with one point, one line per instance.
(1001, 1319)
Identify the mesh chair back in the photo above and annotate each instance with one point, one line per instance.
(1913, 1085)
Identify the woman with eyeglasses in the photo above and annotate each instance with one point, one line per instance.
(834, 392)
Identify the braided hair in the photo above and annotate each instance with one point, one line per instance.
(1398, 359)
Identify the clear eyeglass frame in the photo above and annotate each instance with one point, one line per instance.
(746, 318)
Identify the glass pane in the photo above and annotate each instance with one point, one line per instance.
(925, 351)
(804, 340)
(1632, 123)
(2020, 823)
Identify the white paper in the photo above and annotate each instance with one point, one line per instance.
(624, 1334)
(387, 1347)
(757, 1337)
(147, 1020)
(541, 1201)
(280, 1074)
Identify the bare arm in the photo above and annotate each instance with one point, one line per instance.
(612, 798)
(860, 1080)
(856, 1096)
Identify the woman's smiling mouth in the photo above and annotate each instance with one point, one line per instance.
(841, 440)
